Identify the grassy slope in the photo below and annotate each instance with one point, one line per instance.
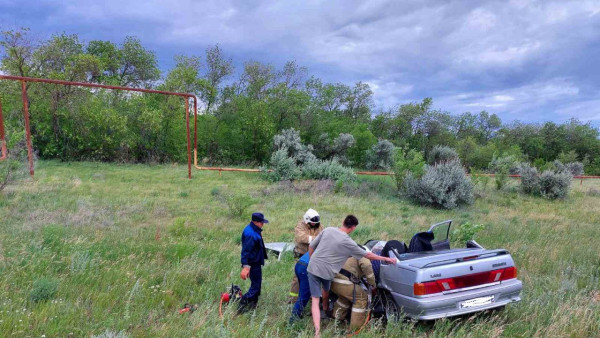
(93, 227)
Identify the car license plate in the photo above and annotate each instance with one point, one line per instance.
(475, 302)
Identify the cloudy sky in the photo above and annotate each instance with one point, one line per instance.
(526, 60)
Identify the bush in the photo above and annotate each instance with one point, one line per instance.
(554, 185)
(322, 170)
(444, 185)
(510, 164)
(501, 179)
(341, 144)
(530, 181)
(550, 184)
(289, 139)
(381, 155)
(283, 167)
(238, 204)
(466, 232)
(407, 163)
(43, 289)
(573, 168)
(441, 154)
(326, 149)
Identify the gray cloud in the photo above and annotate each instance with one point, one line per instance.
(532, 60)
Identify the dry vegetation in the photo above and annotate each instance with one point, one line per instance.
(95, 249)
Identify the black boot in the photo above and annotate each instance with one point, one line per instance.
(242, 306)
(246, 305)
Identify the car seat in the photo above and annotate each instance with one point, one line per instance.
(421, 241)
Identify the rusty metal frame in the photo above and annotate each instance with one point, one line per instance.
(24, 81)
(3, 151)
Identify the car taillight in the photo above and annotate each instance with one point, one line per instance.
(440, 285)
(427, 288)
(509, 273)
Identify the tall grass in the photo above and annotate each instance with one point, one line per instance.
(125, 249)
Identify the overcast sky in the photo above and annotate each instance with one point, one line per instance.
(526, 60)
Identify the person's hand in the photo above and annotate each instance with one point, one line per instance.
(392, 260)
(245, 273)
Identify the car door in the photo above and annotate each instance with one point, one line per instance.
(441, 235)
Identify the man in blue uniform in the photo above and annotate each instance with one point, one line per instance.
(253, 258)
(304, 289)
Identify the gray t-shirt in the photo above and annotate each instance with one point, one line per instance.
(332, 249)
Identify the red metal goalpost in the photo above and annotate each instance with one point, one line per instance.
(24, 80)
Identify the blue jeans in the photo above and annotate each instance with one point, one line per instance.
(304, 293)
(255, 284)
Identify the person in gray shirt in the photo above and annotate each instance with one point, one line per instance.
(328, 253)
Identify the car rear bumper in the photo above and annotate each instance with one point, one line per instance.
(448, 305)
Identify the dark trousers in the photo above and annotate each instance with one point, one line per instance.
(304, 292)
(255, 284)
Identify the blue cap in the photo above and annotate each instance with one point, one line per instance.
(259, 217)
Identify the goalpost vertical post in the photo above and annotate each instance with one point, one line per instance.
(27, 129)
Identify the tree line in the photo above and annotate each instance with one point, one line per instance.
(242, 111)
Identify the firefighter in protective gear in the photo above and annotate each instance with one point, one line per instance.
(351, 296)
(306, 230)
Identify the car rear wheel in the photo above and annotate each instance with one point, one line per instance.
(392, 311)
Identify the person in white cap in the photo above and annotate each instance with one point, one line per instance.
(307, 229)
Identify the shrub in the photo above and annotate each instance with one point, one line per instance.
(501, 166)
(510, 164)
(466, 232)
(405, 163)
(550, 184)
(331, 169)
(43, 289)
(554, 185)
(381, 155)
(289, 139)
(573, 168)
(501, 179)
(443, 185)
(238, 204)
(530, 181)
(440, 154)
(283, 167)
(340, 147)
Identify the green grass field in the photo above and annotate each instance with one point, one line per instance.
(118, 249)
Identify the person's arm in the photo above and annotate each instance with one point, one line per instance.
(301, 234)
(315, 242)
(375, 257)
(247, 245)
(367, 269)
